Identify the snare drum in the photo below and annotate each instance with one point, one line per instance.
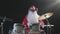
(35, 29)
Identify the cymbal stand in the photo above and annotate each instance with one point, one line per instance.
(48, 26)
(2, 25)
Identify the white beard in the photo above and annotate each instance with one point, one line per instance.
(32, 17)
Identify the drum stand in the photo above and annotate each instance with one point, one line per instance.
(2, 25)
(48, 26)
(4, 19)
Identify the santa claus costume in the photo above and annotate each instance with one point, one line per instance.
(32, 17)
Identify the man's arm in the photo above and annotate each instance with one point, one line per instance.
(25, 23)
(41, 23)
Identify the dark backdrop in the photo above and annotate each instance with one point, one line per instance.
(17, 9)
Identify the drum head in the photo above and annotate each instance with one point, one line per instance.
(35, 27)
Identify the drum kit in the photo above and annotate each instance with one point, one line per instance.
(34, 27)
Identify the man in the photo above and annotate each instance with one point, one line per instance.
(32, 17)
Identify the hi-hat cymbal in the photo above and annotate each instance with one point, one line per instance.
(48, 25)
(45, 16)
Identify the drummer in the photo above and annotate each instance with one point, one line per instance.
(32, 17)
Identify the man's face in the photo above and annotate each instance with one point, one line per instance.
(33, 8)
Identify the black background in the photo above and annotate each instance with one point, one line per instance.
(17, 9)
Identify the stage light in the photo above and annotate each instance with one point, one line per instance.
(57, 1)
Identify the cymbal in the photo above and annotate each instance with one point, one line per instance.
(45, 16)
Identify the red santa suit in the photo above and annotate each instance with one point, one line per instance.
(32, 17)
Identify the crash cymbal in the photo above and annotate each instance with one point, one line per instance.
(45, 16)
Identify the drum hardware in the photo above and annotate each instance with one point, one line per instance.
(4, 19)
(48, 25)
(45, 16)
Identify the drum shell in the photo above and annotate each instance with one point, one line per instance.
(18, 29)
